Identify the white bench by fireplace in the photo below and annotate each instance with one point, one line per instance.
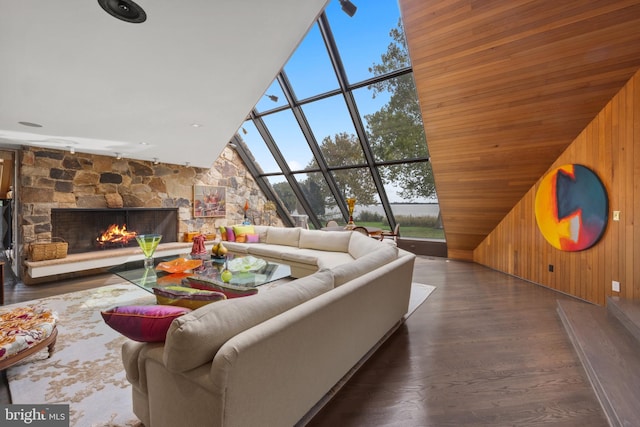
(101, 259)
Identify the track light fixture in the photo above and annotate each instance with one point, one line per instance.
(273, 98)
(71, 149)
(118, 156)
(155, 161)
(348, 7)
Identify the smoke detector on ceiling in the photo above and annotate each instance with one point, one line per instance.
(125, 10)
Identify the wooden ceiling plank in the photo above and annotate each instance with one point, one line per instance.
(505, 87)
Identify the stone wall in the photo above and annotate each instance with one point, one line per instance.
(58, 179)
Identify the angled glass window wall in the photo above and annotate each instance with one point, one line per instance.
(342, 120)
(332, 126)
(363, 38)
(258, 148)
(273, 98)
(289, 138)
(309, 69)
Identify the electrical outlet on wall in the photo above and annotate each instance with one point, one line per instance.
(615, 286)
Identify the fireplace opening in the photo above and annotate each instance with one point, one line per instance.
(87, 230)
(115, 236)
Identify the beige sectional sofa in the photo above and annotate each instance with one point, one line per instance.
(268, 359)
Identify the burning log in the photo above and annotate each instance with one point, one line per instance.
(116, 236)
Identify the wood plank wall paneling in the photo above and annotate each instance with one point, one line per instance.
(610, 146)
(504, 87)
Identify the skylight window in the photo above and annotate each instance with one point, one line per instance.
(354, 128)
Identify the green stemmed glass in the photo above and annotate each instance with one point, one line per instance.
(148, 243)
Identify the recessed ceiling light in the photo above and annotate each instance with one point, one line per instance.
(30, 124)
(196, 125)
(125, 10)
(144, 143)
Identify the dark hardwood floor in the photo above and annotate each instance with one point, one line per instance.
(485, 349)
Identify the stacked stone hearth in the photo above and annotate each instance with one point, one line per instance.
(58, 179)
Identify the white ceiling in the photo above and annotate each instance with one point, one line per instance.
(106, 86)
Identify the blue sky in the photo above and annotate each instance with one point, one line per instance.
(361, 40)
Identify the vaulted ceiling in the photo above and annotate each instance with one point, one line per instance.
(505, 87)
(174, 88)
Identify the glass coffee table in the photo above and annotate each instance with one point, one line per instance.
(247, 272)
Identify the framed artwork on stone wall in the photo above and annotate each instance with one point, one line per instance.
(209, 201)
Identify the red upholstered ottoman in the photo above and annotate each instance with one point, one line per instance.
(25, 331)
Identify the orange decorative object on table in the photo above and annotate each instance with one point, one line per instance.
(179, 265)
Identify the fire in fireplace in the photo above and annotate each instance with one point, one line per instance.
(115, 236)
(81, 228)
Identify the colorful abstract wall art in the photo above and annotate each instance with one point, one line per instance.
(572, 207)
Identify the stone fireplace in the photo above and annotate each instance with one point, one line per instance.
(52, 182)
(81, 228)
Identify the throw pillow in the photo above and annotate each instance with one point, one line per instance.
(144, 323)
(231, 237)
(253, 238)
(223, 233)
(186, 297)
(241, 232)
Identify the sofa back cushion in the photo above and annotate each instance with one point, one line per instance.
(194, 339)
(283, 236)
(344, 273)
(261, 231)
(360, 244)
(333, 241)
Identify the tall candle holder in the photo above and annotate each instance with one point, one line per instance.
(351, 203)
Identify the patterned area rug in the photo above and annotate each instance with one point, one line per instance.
(86, 371)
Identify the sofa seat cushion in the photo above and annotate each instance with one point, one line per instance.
(195, 338)
(238, 248)
(351, 270)
(332, 259)
(302, 256)
(270, 251)
(332, 241)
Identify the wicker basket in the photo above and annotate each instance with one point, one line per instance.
(48, 250)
